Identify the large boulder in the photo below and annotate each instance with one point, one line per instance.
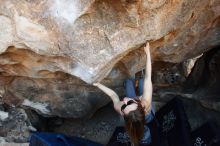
(94, 35)
(47, 46)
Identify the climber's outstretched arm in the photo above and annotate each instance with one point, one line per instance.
(111, 94)
(147, 91)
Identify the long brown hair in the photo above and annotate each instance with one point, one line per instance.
(134, 123)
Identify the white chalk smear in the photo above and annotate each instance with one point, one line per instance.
(86, 74)
(68, 9)
(3, 115)
(42, 107)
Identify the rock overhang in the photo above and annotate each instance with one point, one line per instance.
(95, 35)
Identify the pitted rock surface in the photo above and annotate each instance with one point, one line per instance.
(16, 127)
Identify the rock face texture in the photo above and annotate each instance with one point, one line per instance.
(94, 35)
(204, 80)
(51, 50)
(16, 127)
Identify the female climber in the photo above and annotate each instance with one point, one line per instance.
(136, 110)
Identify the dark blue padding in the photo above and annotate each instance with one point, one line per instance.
(175, 128)
(207, 135)
(58, 139)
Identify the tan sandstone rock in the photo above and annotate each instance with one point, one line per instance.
(93, 40)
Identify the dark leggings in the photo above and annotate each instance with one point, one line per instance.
(129, 86)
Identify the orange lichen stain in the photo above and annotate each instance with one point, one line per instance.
(216, 22)
(24, 62)
(171, 35)
(15, 69)
(47, 74)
